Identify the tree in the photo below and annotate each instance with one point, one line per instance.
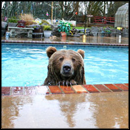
(62, 9)
(113, 7)
(95, 8)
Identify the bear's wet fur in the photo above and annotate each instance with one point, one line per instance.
(66, 67)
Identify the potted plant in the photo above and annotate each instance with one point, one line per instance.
(38, 31)
(13, 21)
(28, 18)
(108, 32)
(47, 30)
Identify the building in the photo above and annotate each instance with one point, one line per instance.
(121, 16)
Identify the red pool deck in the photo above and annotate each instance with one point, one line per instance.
(44, 90)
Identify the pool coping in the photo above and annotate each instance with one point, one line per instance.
(75, 89)
(57, 42)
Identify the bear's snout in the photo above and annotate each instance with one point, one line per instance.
(66, 68)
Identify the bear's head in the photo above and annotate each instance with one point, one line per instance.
(65, 67)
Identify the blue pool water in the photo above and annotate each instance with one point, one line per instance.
(26, 65)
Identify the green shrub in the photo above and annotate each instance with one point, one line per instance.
(71, 25)
(13, 20)
(44, 21)
(47, 27)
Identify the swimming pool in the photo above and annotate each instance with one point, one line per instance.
(26, 64)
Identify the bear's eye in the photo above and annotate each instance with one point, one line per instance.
(61, 59)
(73, 59)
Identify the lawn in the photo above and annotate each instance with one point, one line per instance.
(79, 27)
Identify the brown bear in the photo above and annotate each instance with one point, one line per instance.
(66, 67)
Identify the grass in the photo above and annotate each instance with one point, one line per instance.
(88, 27)
(79, 27)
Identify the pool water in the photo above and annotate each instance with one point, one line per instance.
(26, 64)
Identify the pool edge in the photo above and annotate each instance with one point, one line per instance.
(75, 89)
(57, 42)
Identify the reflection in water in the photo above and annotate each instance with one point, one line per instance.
(94, 110)
(106, 110)
(111, 111)
(92, 39)
(68, 105)
(10, 109)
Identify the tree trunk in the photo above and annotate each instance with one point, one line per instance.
(51, 12)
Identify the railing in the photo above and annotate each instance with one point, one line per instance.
(104, 20)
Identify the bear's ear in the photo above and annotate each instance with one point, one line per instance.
(50, 50)
(81, 52)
